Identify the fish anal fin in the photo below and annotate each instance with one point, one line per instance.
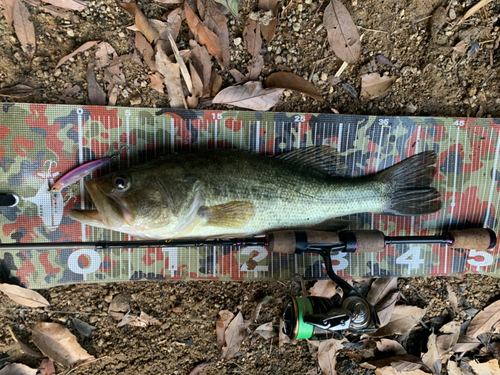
(228, 215)
(323, 159)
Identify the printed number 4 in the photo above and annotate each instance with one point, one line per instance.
(411, 258)
(459, 123)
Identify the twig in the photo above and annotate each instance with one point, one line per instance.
(316, 13)
(84, 364)
(315, 66)
(283, 12)
(374, 30)
(489, 77)
(341, 69)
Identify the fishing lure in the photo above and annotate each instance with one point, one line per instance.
(78, 173)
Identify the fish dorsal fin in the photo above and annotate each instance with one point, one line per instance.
(323, 159)
(228, 215)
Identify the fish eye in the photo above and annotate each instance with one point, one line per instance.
(121, 183)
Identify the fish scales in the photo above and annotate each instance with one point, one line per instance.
(232, 193)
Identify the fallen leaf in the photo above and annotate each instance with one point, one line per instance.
(174, 20)
(438, 20)
(203, 65)
(251, 36)
(373, 85)
(225, 317)
(197, 82)
(231, 5)
(203, 34)
(182, 65)
(25, 31)
(466, 344)
(251, 95)
(119, 306)
(291, 81)
(47, 367)
(381, 288)
(24, 347)
(156, 81)
(386, 345)
(327, 352)
(461, 47)
(59, 344)
(145, 50)
(68, 4)
(334, 81)
(170, 1)
(388, 370)
(269, 30)
(484, 321)
(23, 296)
(351, 91)
(432, 358)
(474, 9)
(234, 335)
(17, 369)
(401, 362)
(97, 96)
(323, 288)
(143, 320)
(17, 91)
(486, 368)
(265, 330)
(453, 369)
(473, 49)
(238, 76)
(217, 22)
(342, 32)
(199, 368)
(82, 48)
(141, 21)
(104, 54)
(172, 79)
(8, 10)
(385, 308)
(57, 12)
(83, 327)
(403, 319)
(452, 298)
(384, 60)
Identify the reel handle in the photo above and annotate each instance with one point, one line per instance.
(474, 238)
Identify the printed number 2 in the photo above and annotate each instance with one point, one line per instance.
(411, 258)
(300, 118)
(217, 116)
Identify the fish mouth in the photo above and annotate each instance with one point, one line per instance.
(109, 213)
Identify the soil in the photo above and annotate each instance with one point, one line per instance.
(433, 79)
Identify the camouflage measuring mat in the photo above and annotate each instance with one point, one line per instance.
(38, 143)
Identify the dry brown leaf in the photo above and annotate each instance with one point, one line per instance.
(388, 370)
(58, 12)
(401, 362)
(474, 9)
(373, 85)
(23, 296)
(104, 54)
(461, 47)
(203, 65)
(24, 347)
(170, 1)
(97, 96)
(291, 81)
(8, 10)
(403, 319)
(432, 358)
(486, 368)
(172, 79)
(381, 288)
(342, 32)
(145, 50)
(46, 367)
(251, 36)
(327, 352)
(452, 297)
(17, 91)
(251, 95)
(269, 30)
(234, 336)
(141, 21)
(119, 306)
(385, 308)
(453, 369)
(265, 330)
(59, 344)
(143, 320)
(199, 368)
(174, 19)
(225, 317)
(156, 81)
(217, 22)
(17, 369)
(255, 68)
(68, 4)
(197, 82)
(216, 84)
(25, 31)
(332, 80)
(203, 34)
(83, 47)
(466, 344)
(323, 288)
(238, 76)
(386, 345)
(182, 65)
(484, 321)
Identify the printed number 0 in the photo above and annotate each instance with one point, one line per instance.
(300, 118)
(487, 258)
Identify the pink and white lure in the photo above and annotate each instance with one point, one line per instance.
(78, 173)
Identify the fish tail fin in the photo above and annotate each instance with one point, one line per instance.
(408, 186)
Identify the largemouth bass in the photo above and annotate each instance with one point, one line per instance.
(233, 193)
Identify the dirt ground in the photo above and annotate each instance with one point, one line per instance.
(433, 79)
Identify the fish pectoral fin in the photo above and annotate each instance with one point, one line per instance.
(228, 215)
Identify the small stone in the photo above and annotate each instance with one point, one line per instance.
(296, 26)
(237, 41)
(135, 100)
(125, 94)
(121, 34)
(308, 1)
(452, 14)
(108, 298)
(70, 33)
(57, 73)
(315, 78)
(324, 76)
(412, 108)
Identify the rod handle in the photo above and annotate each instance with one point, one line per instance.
(285, 241)
(365, 241)
(474, 238)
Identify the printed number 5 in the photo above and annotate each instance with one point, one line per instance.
(300, 118)
(459, 123)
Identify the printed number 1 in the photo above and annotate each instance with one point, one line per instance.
(217, 116)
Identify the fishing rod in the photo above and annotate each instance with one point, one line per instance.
(309, 316)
